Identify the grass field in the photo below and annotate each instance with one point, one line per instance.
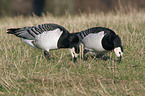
(25, 71)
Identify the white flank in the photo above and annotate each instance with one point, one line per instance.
(49, 39)
(94, 41)
(118, 51)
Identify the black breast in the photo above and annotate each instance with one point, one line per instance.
(107, 43)
(63, 41)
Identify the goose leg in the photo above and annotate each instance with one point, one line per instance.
(83, 51)
(83, 56)
(46, 54)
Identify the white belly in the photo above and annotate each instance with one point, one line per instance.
(49, 39)
(29, 42)
(94, 41)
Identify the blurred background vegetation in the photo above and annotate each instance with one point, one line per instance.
(61, 7)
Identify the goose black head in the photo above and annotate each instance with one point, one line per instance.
(118, 49)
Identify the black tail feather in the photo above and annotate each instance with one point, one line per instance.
(12, 30)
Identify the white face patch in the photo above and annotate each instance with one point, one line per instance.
(73, 53)
(118, 51)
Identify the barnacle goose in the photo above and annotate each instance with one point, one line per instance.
(101, 39)
(48, 36)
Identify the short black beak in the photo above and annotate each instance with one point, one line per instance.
(119, 60)
(74, 59)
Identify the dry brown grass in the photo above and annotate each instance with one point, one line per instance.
(24, 70)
